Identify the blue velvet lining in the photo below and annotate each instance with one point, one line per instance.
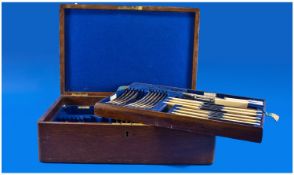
(71, 113)
(106, 49)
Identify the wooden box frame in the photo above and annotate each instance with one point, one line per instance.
(123, 142)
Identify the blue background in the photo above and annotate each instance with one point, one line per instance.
(245, 49)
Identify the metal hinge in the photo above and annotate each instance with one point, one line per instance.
(79, 94)
(130, 7)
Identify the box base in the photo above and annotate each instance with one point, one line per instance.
(122, 143)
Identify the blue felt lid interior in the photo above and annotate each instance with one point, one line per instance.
(105, 49)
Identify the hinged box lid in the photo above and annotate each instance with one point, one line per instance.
(103, 47)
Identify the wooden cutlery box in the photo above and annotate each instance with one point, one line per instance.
(103, 47)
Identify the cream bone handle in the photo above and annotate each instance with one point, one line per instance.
(255, 102)
(231, 103)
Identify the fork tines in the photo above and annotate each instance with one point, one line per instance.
(149, 100)
(126, 97)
